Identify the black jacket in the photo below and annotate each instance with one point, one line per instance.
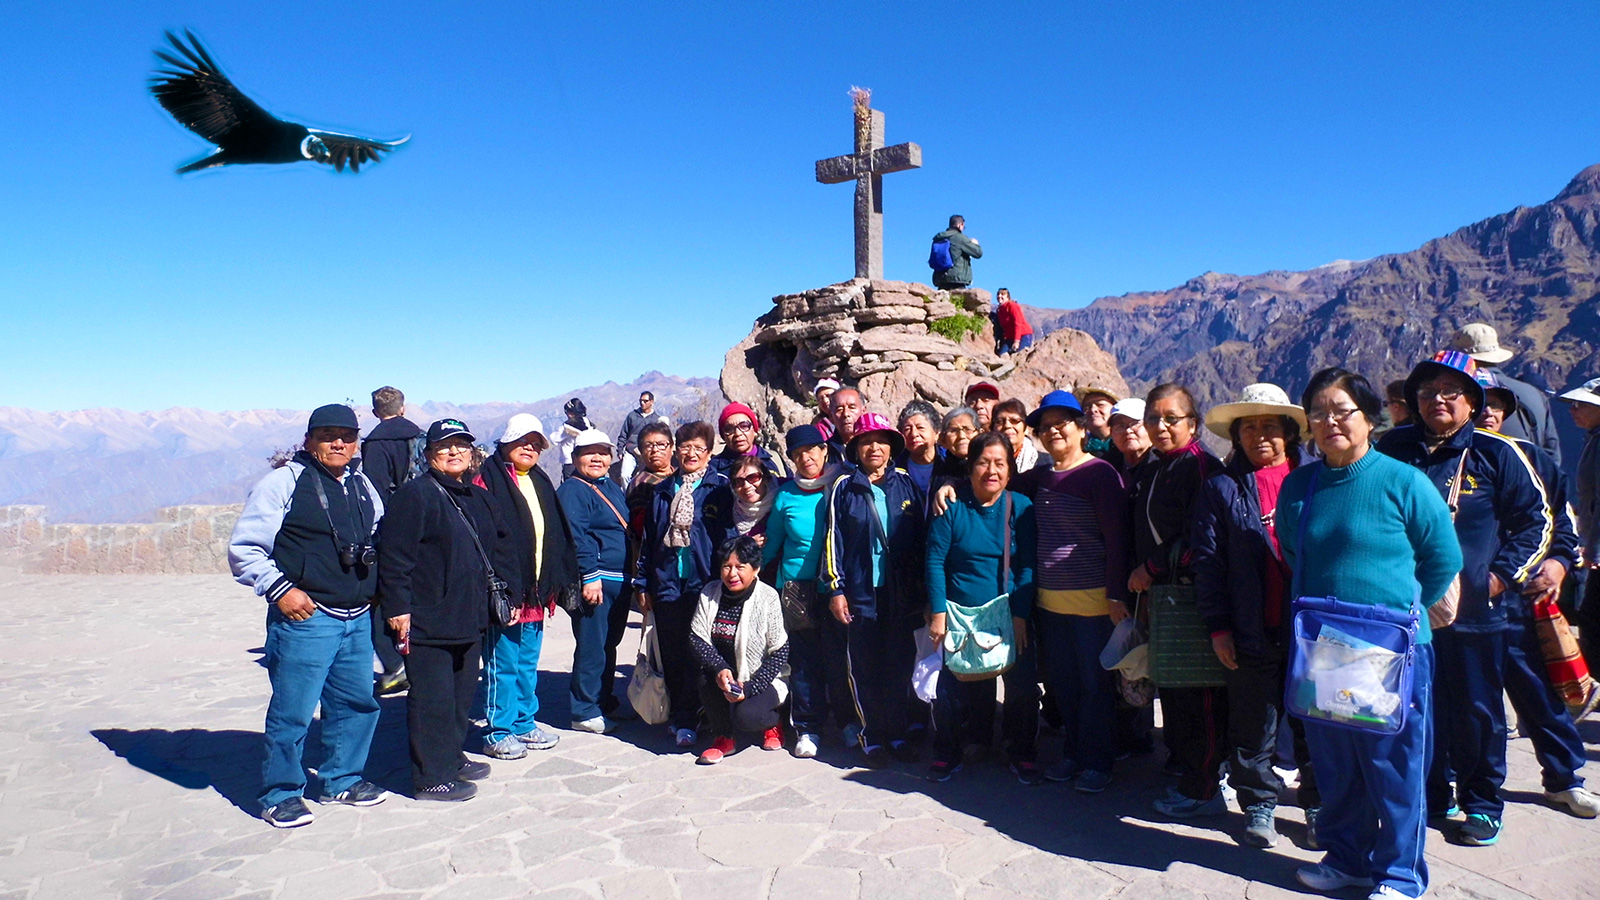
(428, 566)
(386, 454)
(1165, 498)
(558, 567)
(1232, 551)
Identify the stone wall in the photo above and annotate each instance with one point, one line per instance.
(184, 540)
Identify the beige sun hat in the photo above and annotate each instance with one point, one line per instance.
(1260, 399)
(1480, 341)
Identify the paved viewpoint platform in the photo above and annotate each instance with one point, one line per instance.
(130, 729)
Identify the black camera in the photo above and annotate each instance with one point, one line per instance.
(351, 554)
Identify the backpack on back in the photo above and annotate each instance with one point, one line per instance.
(417, 462)
(939, 258)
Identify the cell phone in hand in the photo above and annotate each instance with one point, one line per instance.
(735, 689)
(402, 645)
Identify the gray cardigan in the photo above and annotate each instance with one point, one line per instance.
(760, 632)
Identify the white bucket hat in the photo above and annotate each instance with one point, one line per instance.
(1260, 399)
(522, 425)
(1588, 392)
(1480, 341)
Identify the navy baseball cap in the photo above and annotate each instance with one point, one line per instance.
(444, 429)
(334, 415)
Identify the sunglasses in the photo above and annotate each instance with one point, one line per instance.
(754, 478)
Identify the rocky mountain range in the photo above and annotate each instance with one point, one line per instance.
(112, 465)
(1533, 272)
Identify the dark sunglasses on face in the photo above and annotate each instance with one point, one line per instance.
(753, 478)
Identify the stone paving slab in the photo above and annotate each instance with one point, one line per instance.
(130, 730)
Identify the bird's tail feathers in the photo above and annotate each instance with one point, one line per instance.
(205, 162)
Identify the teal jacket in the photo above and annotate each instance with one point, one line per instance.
(962, 251)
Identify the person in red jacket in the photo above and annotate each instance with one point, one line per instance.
(1016, 334)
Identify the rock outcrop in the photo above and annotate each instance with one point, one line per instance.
(895, 341)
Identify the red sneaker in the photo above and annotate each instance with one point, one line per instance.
(722, 746)
(772, 739)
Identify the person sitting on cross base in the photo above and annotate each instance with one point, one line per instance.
(314, 516)
(962, 251)
(1013, 331)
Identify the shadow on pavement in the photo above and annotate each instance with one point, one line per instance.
(196, 759)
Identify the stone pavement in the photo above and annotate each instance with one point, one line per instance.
(130, 721)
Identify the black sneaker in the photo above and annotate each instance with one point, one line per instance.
(362, 793)
(1479, 830)
(291, 813)
(1312, 843)
(473, 771)
(1027, 772)
(450, 791)
(942, 771)
(393, 682)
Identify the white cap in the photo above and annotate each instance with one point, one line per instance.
(521, 425)
(828, 383)
(1132, 407)
(589, 437)
(1588, 392)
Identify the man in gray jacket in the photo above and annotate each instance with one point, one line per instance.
(962, 251)
(305, 544)
(1531, 421)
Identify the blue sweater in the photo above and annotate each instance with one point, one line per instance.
(1378, 533)
(598, 533)
(965, 553)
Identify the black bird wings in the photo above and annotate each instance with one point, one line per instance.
(352, 150)
(197, 94)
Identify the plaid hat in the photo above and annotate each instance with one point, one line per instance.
(1446, 361)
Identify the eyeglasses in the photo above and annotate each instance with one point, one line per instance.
(1060, 425)
(453, 450)
(692, 450)
(745, 427)
(1166, 421)
(1009, 422)
(959, 430)
(754, 478)
(655, 447)
(1336, 416)
(1448, 395)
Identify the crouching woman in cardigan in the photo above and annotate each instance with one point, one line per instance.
(739, 643)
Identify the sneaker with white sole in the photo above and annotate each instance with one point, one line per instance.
(1182, 807)
(685, 737)
(507, 747)
(1323, 877)
(539, 739)
(362, 793)
(1576, 801)
(291, 813)
(1385, 892)
(805, 747)
(596, 725)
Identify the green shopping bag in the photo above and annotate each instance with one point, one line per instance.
(1180, 643)
(980, 642)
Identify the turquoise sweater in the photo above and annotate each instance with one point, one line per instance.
(794, 534)
(965, 553)
(1378, 533)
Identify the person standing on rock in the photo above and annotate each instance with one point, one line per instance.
(390, 456)
(314, 516)
(1532, 421)
(962, 250)
(1016, 335)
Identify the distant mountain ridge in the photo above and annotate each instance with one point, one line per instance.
(1533, 272)
(114, 465)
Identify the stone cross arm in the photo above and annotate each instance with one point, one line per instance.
(898, 158)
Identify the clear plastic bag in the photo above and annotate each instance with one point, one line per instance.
(1351, 664)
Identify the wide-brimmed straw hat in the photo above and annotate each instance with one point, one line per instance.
(1260, 399)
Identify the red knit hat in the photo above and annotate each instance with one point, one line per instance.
(734, 409)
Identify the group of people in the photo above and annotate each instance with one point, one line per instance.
(791, 595)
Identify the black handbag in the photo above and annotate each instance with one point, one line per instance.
(798, 599)
(502, 608)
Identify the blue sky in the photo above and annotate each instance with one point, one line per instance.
(597, 190)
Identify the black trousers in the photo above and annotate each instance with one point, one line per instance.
(963, 712)
(677, 660)
(443, 681)
(1255, 707)
(755, 714)
(1194, 728)
(869, 663)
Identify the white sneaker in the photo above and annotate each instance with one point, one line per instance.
(1323, 877)
(805, 747)
(1576, 801)
(1385, 892)
(685, 737)
(596, 725)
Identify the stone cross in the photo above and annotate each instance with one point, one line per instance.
(866, 167)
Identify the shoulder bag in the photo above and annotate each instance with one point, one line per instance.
(980, 642)
(502, 609)
(1350, 664)
(1443, 613)
(1180, 643)
(647, 688)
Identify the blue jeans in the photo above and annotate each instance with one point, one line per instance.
(321, 659)
(1373, 815)
(1069, 660)
(591, 632)
(511, 679)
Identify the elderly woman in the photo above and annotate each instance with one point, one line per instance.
(690, 516)
(1081, 510)
(740, 644)
(1010, 420)
(1128, 437)
(755, 489)
(594, 506)
(1097, 404)
(1365, 528)
(919, 427)
(967, 547)
(1505, 525)
(739, 427)
(794, 543)
(1165, 498)
(547, 565)
(1242, 589)
(440, 537)
(956, 432)
(872, 564)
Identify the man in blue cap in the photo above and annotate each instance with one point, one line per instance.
(305, 544)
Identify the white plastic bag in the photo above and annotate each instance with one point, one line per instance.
(930, 661)
(647, 689)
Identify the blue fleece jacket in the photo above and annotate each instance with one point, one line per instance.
(599, 529)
